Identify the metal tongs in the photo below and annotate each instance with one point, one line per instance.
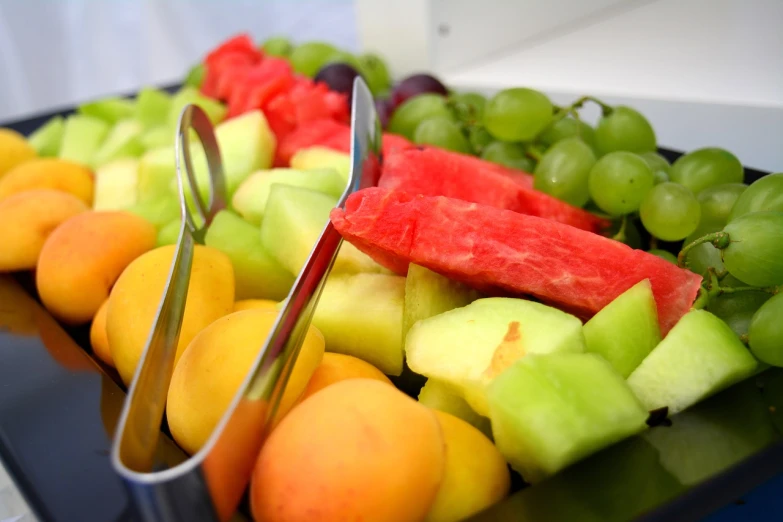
(208, 486)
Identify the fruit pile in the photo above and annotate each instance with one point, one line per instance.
(497, 274)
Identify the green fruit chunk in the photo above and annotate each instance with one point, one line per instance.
(152, 108)
(111, 110)
(195, 75)
(157, 137)
(428, 294)
(766, 193)
(705, 168)
(619, 182)
(278, 46)
(441, 132)
(82, 137)
(700, 356)
(765, 334)
(468, 347)
(564, 169)
(322, 158)
(624, 129)
(440, 396)
(215, 110)
(517, 114)
(755, 251)
(549, 411)
(46, 139)
(257, 274)
(308, 58)
(251, 196)
(116, 184)
(670, 212)
(737, 308)
(121, 142)
(374, 71)
(626, 330)
(361, 315)
(159, 212)
(414, 110)
(508, 154)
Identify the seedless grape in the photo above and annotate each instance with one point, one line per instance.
(766, 332)
(517, 114)
(737, 308)
(441, 132)
(407, 116)
(567, 128)
(508, 154)
(564, 169)
(619, 181)
(764, 194)
(670, 212)
(755, 253)
(624, 129)
(705, 168)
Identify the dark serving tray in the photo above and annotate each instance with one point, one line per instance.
(720, 461)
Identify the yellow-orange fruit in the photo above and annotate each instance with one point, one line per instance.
(49, 173)
(336, 367)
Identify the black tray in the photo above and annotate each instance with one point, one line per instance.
(722, 459)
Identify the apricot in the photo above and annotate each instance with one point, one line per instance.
(337, 367)
(84, 256)
(14, 150)
(215, 364)
(28, 219)
(357, 450)
(476, 475)
(49, 173)
(99, 340)
(247, 304)
(135, 298)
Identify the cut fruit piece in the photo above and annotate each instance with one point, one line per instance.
(215, 110)
(159, 212)
(157, 137)
(321, 158)
(438, 395)
(626, 330)
(361, 315)
(549, 411)
(500, 251)
(257, 274)
(111, 109)
(121, 142)
(438, 172)
(251, 196)
(152, 107)
(115, 185)
(700, 356)
(157, 171)
(351, 260)
(469, 347)
(46, 140)
(82, 137)
(428, 294)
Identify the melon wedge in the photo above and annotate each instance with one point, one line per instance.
(115, 185)
(322, 158)
(121, 142)
(440, 396)
(82, 136)
(47, 138)
(500, 251)
(699, 357)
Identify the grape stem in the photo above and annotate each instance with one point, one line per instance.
(620, 235)
(712, 289)
(719, 240)
(533, 153)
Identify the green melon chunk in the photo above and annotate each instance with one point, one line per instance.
(361, 315)
(115, 185)
(549, 411)
(322, 158)
(428, 294)
(440, 396)
(121, 142)
(152, 107)
(82, 137)
(111, 109)
(251, 196)
(215, 110)
(156, 137)
(700, 356)
(257, 274)
(157, 170)
(159, 212)
(469, 347)
(46, 139)
(625, 330)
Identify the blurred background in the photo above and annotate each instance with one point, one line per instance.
(705, 72)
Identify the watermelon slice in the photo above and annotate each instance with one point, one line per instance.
(496, 250)
(436, 172)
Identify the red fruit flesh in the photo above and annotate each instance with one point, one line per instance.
(496, 250)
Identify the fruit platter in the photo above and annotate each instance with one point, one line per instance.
(530, 317)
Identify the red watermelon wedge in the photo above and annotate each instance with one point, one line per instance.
(438, 172)
(494, 249)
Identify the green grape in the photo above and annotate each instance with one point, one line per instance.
(716, 203)
(659, 165)
(763, 194)
(374, 71)
(660, 177)
(566, 128)
(441, 132)
(517, 114)
(670, 212)
(737, 308)
(308, 58)
(414, 110)
(340, 56)
(479, 138)
(755, 253)
(765, 334)
(195, 76)
(279, 46)
(624, 129)
(468, 106)
(705, 168)
(619, 181)
(663, 254)
(702, 257)
(564, 169)
(509, 155)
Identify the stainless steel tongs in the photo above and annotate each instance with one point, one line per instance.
(208, 486)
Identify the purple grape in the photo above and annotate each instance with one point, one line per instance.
(415, 85)
(383, 107)
(338, 77)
